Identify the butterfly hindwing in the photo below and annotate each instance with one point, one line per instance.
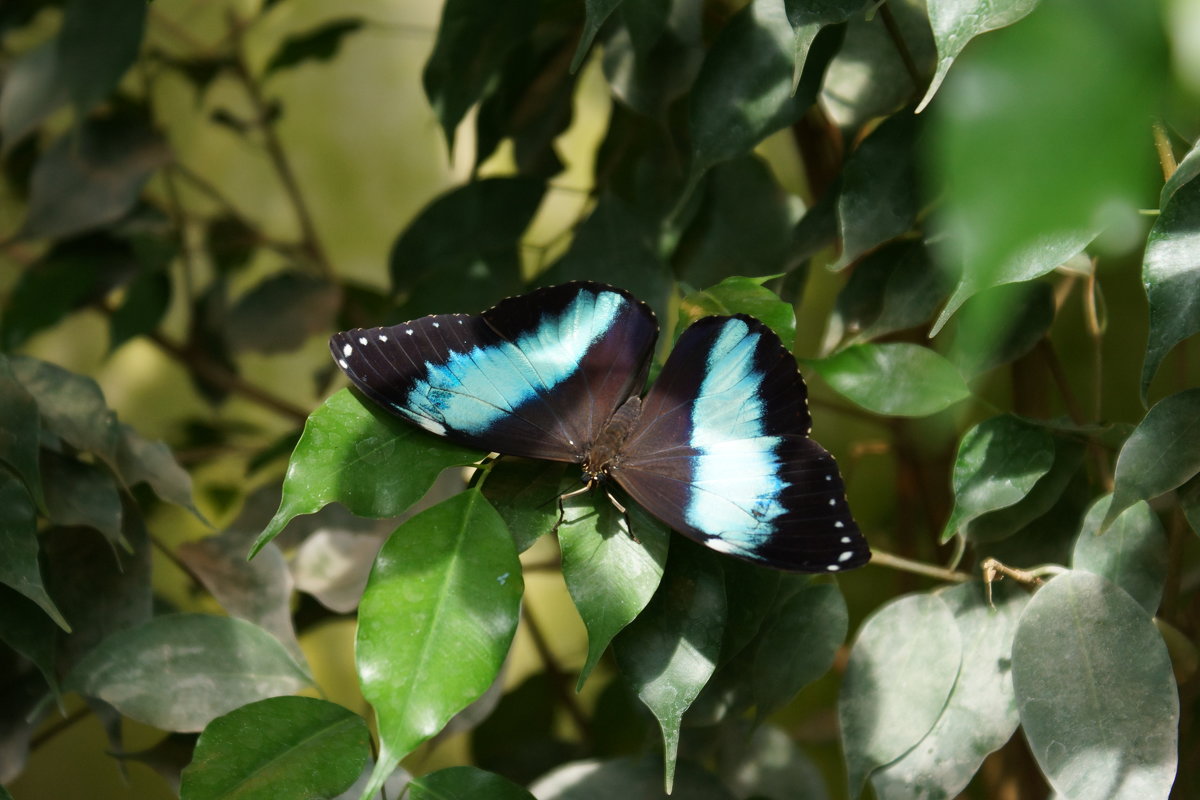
(536, 375)
(721, 453)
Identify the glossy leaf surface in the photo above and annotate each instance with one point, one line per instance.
(894, 379)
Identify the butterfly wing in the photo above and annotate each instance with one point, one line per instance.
(721, 453)
(536, 375)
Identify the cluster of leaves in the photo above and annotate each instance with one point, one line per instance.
(960, 201)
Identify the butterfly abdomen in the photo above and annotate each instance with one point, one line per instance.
(605, 452)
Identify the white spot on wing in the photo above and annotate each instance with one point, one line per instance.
(832, 502)
(833, 568)
(383, 337)
(362, 340)
(845, 540)
(436, 325)
(347, 349)
(408, 331)
(838, 524)
(342, 363)
(846, 556)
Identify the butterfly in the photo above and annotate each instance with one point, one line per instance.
(718, 449)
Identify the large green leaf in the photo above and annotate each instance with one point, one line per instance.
(33, 90)
(355, 453)
(1162, 453)
(71, 406)
(435, 621)
(1098, 701)
(993, 526)
(956, 22)
(178, 672)
(1171, 277)
(1132, 553)
(739, 295)
(98, 42)
(19, 426)
(464, 783)
(896, 378)
(436, 269)
(473, 39)
(295, 747)
(19, 546)
(981, 712)
(999, 462)
(610, 574)
(1079, 124)
(670, 651)
(901, 672)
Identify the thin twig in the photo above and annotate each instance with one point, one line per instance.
(884, 559)
(58, 727)
(556, 675)
(178, 563)
(897, 37)
(1096, 334)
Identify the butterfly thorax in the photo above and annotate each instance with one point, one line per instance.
(606, 450)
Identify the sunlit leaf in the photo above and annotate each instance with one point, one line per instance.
(737, 295)
(1131, 553)
(464, 783)
(611, 575)
(278, 747)
(670, 651)
(352, 452)
(999, 462)
(435, 621)
(896, 378)
(902, 669)
(1161, 453)
(180, 671)
(1171, 277)
(1099, 705)
(957, 22)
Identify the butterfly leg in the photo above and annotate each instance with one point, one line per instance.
(624, 513)
(562, 512)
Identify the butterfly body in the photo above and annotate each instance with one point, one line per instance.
(718, 448)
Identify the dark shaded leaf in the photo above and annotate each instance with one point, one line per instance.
(140, 460)
(1001, 324)
(808, 17)
(280, 313)
(19, 546)
(995, 525)
(902, 669)
(1187, 169)
(178, 672)
(436, 269)
(320, 44)
(231, 243)
(436, 621)
(78, 493)
(669, 652)
(98, 42)
(653, 58)
(1171, 277)
(168, 756)
(464, 783)
(474, 38)
(1162, 453)
(30, 632)
(525, 492)
(351, 452)
(143, 308)
(597, 11)
(1098, 702)
(19, 428)
(1189, 501)
(893, 289)
(610, 574)
(897, 378)
(740, 296)
(518, 739)
(1132, 553)
(71, 406)
(999, 462)
(92, 175)
(278, 747)
(33, 90)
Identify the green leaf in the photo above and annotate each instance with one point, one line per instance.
(878, 199)
(771, 765)
(596, 11)
(738, 295)
(901, 672)
(19, 546)
(1042, 256)
(140, 460)
(797, 645)
(30, 632)
(79, 493)
(743, 225)
(1171, 277)
(19, 426)
(669, 652)
(92, 175)
(436, 621)
(525, 492)
(438, 270)
(650, 62)
(981, 712)
(611, 575)
(744, 91)
(595, 779)
(1187, 169)
(320, 44)
(352, 452)
(895, 379)
(1162, 453)
(278, 747)
(895, 288)
(999, 462)
(993, 526)
(99, 41)
(1132, 553)
(71, 406)
(464, 783)
(1189, 501)
(143, 308)
(985, 338)
(279, 314)
(519, 738)
(956, 22)
(178, 672)
(473, 40)
(33, 90)
(1098, 701)
(1079, 125)
(808, 18)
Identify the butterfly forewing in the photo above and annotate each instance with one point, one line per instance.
(721, 453)
(536, 375)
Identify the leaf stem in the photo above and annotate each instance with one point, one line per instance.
(884, 559)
